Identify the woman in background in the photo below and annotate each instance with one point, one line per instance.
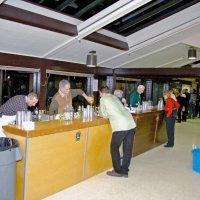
(180, 100)
(170, 108)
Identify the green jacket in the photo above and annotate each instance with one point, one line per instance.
(135, 99)
(120, 118)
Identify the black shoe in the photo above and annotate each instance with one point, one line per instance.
(125, 175)
(113, 173)
(168, 145)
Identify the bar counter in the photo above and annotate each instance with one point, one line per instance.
(58, 154)
(150, 130)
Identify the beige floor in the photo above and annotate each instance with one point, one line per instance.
(159, 174)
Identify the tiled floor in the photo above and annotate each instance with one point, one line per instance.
(159, 174)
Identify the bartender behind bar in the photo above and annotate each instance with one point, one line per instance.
(63, 98)
(18, 103)
(135, 97)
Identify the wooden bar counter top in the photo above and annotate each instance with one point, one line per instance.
(58, 154)
(55, 126)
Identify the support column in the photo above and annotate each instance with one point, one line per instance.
(42, 81)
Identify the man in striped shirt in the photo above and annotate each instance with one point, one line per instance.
(18, 103)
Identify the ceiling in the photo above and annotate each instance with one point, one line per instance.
(157, 33)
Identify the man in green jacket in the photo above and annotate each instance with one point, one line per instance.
(135, 97)
(123, 128)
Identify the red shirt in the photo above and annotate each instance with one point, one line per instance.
(170, 105)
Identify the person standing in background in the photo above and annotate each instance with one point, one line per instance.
(63, 98)
(172, 94)
(119, 94)
(170, 108)
(187, 94)
(180, 100)
(135, 97)
(123, 128)
(192, 105)
(185, 106)
(198, 106)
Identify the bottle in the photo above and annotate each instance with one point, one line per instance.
(82, 108)
(79, 109)
(194, 146)
(35, 114)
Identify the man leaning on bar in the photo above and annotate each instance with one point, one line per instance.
(18, 103)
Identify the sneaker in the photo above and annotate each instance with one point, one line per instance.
(113, 173)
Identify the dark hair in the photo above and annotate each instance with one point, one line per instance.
(104, 89)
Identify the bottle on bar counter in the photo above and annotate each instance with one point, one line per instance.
(35, 113)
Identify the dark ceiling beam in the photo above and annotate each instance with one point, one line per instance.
(87, 8)
(41, 1)
(104, 71)
(37, 63)
(161, 17)
(64, 5)
(158, 72)
(32, 19)
(140, 16)
(108, 41)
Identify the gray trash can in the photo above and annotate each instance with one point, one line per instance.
(9, 153)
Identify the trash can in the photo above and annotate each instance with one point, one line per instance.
(9, 153)
(196, 160)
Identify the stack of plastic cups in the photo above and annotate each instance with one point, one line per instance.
(23, 116)
(19, 118)
(91, 114)
(28, 116)
(144, 105)
(160, 105)
(88, 112)
(84, 116)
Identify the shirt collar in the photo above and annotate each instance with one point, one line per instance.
(61, 93)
